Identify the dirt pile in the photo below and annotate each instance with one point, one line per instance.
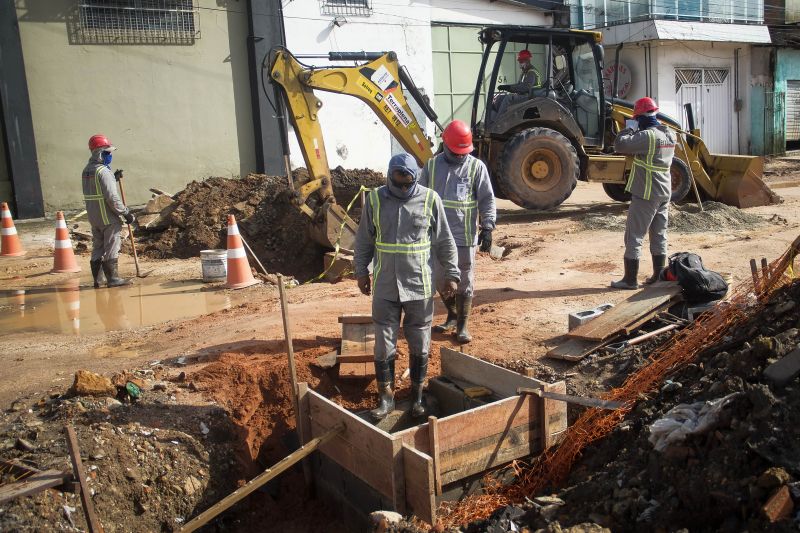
(688, 218)
(276, 230)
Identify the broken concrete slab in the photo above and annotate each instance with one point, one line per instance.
(158, 204)
(784, 369)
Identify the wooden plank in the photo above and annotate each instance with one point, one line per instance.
(574, 349)
(433, 435)
(363, 449)
(355, 319)
(489, 452)
(418, 437)
(303, 422)
(356, 358)
(465, 367)
(356, 370)
(555, 413)
(633, 326)
(353, 339)
(617, 318)
(418, 471)
(31, 485)
(77, 467)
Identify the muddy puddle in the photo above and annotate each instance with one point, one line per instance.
(75, 308)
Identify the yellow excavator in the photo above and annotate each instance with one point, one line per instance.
(537, 142)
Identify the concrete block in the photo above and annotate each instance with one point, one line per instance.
(497, 252)
(784, 369)
(579, 318)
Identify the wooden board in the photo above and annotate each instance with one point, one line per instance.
(357, 339)
(574, 349)
(627, 312)
(355, 319)
(363, 449)
(418, 472)
(465, 367)
(33, 484)
(554, 422)
(358, 346)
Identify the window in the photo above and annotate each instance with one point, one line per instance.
(346, 7)
(168, 22)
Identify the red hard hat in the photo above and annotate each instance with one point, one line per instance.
(99, 141)
(458, 137)
(644, 105)
(524, 55)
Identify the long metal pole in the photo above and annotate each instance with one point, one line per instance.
(691, 173)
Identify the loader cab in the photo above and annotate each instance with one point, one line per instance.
(566, 94)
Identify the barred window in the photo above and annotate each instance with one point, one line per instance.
(169, 22)
(346, 7)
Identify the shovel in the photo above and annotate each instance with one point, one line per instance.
(130, 230)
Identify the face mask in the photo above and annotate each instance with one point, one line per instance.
(452, 158)
(107, 159)
(646, 121)
(397, 189)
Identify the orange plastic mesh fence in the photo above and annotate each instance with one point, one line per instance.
(553, 466)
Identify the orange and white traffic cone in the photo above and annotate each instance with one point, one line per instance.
(70, 293)
(9, 240)
(63, 256)
(239, 273)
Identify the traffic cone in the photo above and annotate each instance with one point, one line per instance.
(70, 293)
(63, 256)
(239, 275)
(9, 240)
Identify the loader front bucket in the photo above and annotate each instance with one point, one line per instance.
(738, 180)
(332, 225)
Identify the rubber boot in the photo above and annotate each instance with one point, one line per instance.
(391, 373)
(418, 409)
(629, 281)
(112, 275)
(659, 263)
(97, 272)
(464, 305)
(452, 316)
(385, 402)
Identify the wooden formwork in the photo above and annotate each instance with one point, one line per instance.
(409, 467)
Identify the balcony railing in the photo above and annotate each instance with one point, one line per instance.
(589, 14)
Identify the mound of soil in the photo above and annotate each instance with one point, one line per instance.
(687, 219)
(275, 229)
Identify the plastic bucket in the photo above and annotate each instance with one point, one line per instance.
(214, 264)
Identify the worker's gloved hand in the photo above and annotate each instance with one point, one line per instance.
(450, 288)
(118, 174)
(364, 285)
(485, 240)
(128, 218)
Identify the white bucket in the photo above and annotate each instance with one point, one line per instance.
(215, 265)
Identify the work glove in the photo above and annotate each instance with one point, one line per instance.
(118, 174)
(485, 240)
(128, 218)
(449, 289)
(364, 285)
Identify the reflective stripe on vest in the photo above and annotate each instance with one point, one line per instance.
(422, 249)
(464, 205)
(646, 165)
(98, 197)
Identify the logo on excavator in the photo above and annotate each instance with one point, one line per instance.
(398, 110)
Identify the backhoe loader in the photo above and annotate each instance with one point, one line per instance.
(536, 143)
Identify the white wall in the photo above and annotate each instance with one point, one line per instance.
(354, 137)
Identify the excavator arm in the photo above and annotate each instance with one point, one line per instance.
(378, 83)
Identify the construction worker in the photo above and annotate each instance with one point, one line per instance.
(402, 228)
(528, 80)
(652, 146)
(462, 182)
(104, 207)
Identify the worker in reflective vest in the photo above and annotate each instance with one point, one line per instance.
(463, 183)
(652, 146)
(104, 207)
(402, 229)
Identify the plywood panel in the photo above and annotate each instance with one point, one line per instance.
(617, 318)
(418, 469)
(574, 349)
(362, 448)
(468, 368)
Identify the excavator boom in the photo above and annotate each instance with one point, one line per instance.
(377, 83)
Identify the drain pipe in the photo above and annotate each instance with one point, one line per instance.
(737, 103)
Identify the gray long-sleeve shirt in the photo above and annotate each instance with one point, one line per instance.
(401, 237)
(466, 191)
(652, 150)
(103, 204)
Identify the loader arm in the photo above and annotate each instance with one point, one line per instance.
(376, 83)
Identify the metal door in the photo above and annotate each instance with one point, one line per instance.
(709, 92)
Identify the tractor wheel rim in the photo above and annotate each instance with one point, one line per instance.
(675, 176)
(541, 169)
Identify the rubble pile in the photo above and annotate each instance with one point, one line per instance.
(195, 219)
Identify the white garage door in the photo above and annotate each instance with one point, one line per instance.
(709, 92)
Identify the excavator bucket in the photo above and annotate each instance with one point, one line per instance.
(738, 180)
(332, 226)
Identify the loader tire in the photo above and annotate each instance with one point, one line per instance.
(681, 184)
(539, 169)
